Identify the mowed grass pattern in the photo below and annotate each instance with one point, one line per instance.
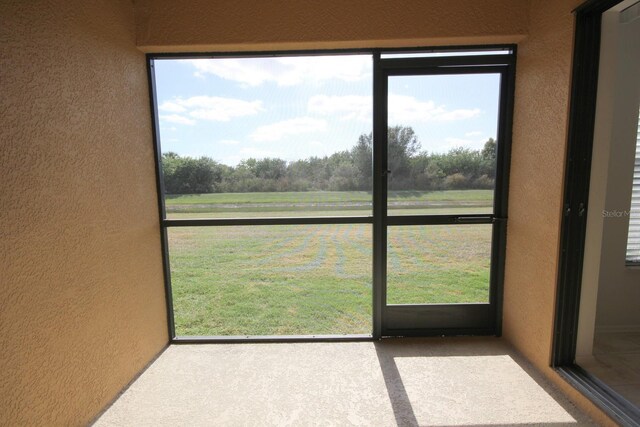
(271, 280)
(438, 264)
(316, 279)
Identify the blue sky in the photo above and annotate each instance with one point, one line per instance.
(295, 107)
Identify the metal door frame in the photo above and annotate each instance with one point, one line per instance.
(440, 319)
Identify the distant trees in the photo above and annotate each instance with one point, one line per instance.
(183, 175)
(411, 169)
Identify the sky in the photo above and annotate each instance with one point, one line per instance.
(231, 109)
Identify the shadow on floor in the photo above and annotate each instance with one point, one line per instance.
(472, 357)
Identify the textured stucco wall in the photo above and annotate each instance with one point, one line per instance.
(81, 293)
(205, 25)
(540, 128)
(537, 167)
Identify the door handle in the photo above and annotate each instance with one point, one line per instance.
(475, 219)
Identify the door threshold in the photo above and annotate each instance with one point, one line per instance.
(241, 339)
(258, 339)
(605, 398)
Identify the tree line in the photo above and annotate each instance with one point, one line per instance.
(348, 170)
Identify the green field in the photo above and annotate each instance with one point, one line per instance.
(325, 196)
(316, 279)
(324, 203)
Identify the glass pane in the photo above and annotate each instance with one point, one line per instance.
(271, 280)
(442, 143)
(265, 137)
(438, 264)
(393, 55)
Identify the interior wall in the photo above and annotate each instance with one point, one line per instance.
(537, 171)
(82, 297)
(241, 25)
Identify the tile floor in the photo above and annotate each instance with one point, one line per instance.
(399, 382)
(616, 361)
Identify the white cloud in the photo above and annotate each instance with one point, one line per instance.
(402, 109)
(317, 68)
(229, 142)
(473, 133)
(407, 109)
(286, 71)
(177, 118)
(247, 71)
(212, 108)
(172, 107)
(349, 106)
(278, 130)
(221, 109)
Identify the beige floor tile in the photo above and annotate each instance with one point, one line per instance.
(408, 382)
(611, 369)
(616, 362)
(616, 343)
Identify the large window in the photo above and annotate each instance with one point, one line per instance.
(287, 209)
(250, 140)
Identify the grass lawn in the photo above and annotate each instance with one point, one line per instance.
(224, 205)
(315, 279)
(324, 196)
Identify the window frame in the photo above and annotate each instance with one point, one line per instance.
(498, 218)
